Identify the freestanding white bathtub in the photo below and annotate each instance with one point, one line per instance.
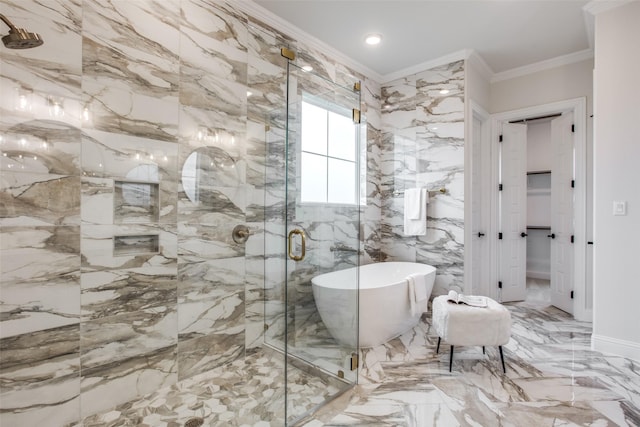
(385, 310)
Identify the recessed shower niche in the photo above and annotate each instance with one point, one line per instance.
(136, 199)
(136, 202)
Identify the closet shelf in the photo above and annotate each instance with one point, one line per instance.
(541, 191)
(538, 227)
(538, 172)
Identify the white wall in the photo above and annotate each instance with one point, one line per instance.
(556, 84)
(617, 151)
(539, 146)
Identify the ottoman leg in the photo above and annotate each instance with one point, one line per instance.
(451, 359)
(438, 348)
(502, 358)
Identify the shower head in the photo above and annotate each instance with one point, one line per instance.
(19, 38)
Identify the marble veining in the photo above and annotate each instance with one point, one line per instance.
(566, 384)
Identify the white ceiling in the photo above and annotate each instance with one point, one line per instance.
(507, 34)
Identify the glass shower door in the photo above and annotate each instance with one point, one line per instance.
(322, 227)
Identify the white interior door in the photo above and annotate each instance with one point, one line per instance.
(513, 212)
(562, 173)
(479, 216)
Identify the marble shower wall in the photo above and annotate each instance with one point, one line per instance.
(423, 146)
(119, 277)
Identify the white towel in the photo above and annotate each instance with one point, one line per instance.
(417, 292)
(415, 211)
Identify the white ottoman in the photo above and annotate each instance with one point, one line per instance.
(460, 324)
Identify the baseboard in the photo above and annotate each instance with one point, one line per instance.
(615, 346)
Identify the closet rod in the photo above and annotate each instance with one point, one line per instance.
(536, 118)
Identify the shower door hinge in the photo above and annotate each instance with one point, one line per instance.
(573, 128)
(356, 116)
(356, 87)
(500, 139)
(354, 361)
(499, 236)
(288, 53)
(499, 285)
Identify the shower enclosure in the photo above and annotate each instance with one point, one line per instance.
(312, 226)
(160, 225)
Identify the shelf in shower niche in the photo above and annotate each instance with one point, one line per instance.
(137, 244)
(136, 202)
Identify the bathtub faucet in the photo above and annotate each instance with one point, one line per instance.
(344, 248)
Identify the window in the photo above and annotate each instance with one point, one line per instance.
(329, 163)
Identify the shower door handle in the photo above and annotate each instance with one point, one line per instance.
(304, 245)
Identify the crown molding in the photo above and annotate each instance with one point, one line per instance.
(558, 61)
(598, 6)
(415, 69)
(480, 65)
(260, 13)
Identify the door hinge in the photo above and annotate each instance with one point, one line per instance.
(354, 361)
(571, 294)
(499, 285)
(356, 86)
(573, 183)
(288, 53)
(499, 236)
(356, 116)
(572, 238)
(500, 139)
(573, 128)
(499, 187)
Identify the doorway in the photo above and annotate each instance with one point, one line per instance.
(565, 193)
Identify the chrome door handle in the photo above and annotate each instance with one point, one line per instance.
(304, 245)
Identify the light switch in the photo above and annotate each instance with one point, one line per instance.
(619, 208)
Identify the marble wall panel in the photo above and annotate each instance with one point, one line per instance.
(130, 66)
(39, 199)
(39, 146)
(110, 157)
(53, 70)
(105, 386)
(266, 73)
(39, 270)
(423, 146)
(211, 297)
(199, 355)
(49, 394)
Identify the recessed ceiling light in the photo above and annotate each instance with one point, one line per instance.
(307, 68)
(373, 39)
(444, 91)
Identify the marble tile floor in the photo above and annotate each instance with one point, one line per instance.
(247, 392)
(552, 379)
